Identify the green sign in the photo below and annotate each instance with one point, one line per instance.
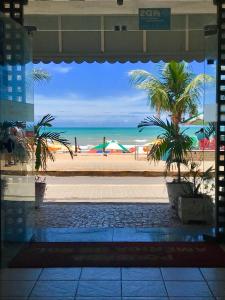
(154, 18)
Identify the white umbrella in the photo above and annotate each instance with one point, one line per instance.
(111, 145)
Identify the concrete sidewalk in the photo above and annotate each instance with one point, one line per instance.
(106, 189)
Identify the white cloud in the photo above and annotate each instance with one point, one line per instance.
(75, 109)
(62, 69)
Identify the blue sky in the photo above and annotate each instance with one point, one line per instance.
(99, 95)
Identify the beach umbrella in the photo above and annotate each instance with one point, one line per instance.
(64, 149)
(132, 149)
(148, 146)
(53, 146)
(156, 141)
(111, 146)
(114, 145)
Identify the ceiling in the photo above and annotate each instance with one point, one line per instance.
(110, 7)
(88, 31)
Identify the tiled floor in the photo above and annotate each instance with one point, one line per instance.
(113, 284)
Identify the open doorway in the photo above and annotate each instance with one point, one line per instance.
(110, 183)
(110, 155)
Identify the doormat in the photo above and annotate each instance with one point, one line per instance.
(120, 254)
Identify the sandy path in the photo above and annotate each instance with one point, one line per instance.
(114, 162)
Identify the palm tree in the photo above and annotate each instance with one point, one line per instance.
(176, 91)
(173, 144)
(39, 75)
(39, 142)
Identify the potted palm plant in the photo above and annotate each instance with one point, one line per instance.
(197, 205)
(172, 146)
(175, 92)
(40, 147)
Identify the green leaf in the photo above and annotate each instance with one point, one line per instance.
(41, 141)
(177, 91)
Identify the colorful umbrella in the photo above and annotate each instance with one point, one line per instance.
(111, 146)
(149, 145)
(53, 146)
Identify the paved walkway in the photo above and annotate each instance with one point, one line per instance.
(106, 215)
(106, 189)
(102, 202)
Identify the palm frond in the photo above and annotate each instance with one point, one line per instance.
(173, 143)
(148, 121)
(44, 122)
(39, 75)
(199, 178)
(176, 91)
(138, 77)
(41, 142)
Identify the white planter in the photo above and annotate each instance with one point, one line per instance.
(195, 209)
(177, 189)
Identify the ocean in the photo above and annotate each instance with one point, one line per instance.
(127, 136)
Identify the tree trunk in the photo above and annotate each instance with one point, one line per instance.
(176, 119)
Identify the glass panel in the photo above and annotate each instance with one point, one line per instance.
(16, 128)
(210, 108)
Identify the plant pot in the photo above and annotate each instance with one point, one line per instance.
(198, 209)
(40, 188)
(177, 189)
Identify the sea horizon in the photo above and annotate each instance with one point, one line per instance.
(124, 135)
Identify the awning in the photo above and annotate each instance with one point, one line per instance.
(111, 38)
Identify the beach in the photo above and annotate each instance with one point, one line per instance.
(112, 162)
(131, 138)
(118, 164)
